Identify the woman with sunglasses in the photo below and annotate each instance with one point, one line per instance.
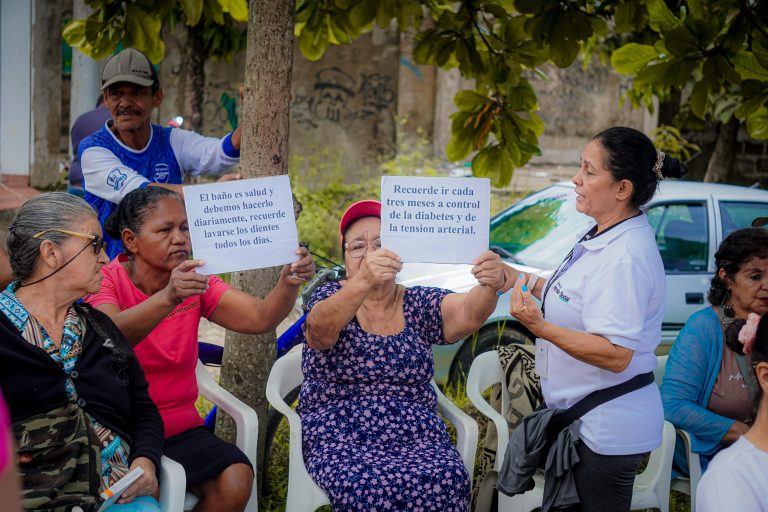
(77, 396)
(372, 437)
(156, 298)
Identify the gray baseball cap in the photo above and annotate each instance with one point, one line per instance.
(128, 66)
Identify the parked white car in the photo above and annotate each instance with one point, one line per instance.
(535, 234)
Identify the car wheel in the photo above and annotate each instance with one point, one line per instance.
(487, 339)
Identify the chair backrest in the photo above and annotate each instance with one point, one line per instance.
(658, 372)
(286, 374)
(486, 370)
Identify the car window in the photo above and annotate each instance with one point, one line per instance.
(540, 229)
(737, 214)
(682, 236)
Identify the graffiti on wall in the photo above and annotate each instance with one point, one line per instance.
(220, 107)
(340, 99)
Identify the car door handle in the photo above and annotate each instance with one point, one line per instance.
(694, 298)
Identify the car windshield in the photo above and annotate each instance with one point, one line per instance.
(539, 230)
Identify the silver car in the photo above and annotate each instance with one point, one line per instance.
(690, 220)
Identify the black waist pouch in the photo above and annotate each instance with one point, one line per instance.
(61, 460)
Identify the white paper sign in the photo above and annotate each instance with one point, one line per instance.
(242, 225)
(435, 220)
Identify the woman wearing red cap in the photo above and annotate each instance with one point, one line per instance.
(372, 437)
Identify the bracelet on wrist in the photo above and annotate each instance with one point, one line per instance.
(532, 279)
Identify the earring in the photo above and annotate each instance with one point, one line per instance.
(727, 309)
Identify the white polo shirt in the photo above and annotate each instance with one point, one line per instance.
(616, 289)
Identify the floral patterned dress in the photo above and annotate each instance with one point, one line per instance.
(372, 437)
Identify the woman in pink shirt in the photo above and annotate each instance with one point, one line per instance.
(154, 295)
(10, 494)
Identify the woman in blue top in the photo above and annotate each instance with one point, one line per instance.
(708, 389)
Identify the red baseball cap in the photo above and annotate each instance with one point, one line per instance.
(358, 210)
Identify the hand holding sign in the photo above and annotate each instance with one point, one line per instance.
(301, 270)
(489, 270)
(185, 282)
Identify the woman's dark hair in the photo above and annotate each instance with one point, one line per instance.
(632, 156)
(132, 211)
(738, 248)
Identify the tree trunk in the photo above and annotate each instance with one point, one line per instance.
(194, 86)
(721, 163)
(266, 106)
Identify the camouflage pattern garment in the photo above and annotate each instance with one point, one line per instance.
(62, 459)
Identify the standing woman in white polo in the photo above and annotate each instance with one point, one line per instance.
(602, 314)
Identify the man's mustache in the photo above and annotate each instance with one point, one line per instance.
(129, 111)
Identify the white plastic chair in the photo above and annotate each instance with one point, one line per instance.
(651, 489)
(303, 493)
(173, 481)
(681, 484)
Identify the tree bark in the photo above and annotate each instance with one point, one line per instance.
(264, 152)
(721, 163)
(194, 86)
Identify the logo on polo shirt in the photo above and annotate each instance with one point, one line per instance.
(162, 173)
(116, 178)
(560, 293)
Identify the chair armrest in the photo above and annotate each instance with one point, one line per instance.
(245, 418)
(296, 455)
(173, 485)
(474, 393)
(466, 429)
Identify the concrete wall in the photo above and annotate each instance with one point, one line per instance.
(345, 104)
(15, 88)
(575, 105)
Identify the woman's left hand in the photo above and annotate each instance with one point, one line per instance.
(301, 270)
(146, 485)
(489, 270)
(523, 306)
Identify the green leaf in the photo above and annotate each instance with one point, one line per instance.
(238, 9)
(726, 70)
(470, 101)
(192, 10)
(699, 99)
(674, 72)
(74, 33)
(632, 57)
(627, 16)
(363, 13)
(458, 148)
(661, 18)
(760, 48)
(750, 106)
(680, 41)
(313, 43)
(697, 9)
(748, 67)
(212, 10)
(142, 31)
(757, 124)
(490, 162)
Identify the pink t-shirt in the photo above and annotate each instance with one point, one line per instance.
(5, 437)
(168, 354)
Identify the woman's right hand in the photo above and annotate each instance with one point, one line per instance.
(379, 267)
(145, 485)
(185, 282)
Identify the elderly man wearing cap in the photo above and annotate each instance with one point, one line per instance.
(373, 439)
(130, 152)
